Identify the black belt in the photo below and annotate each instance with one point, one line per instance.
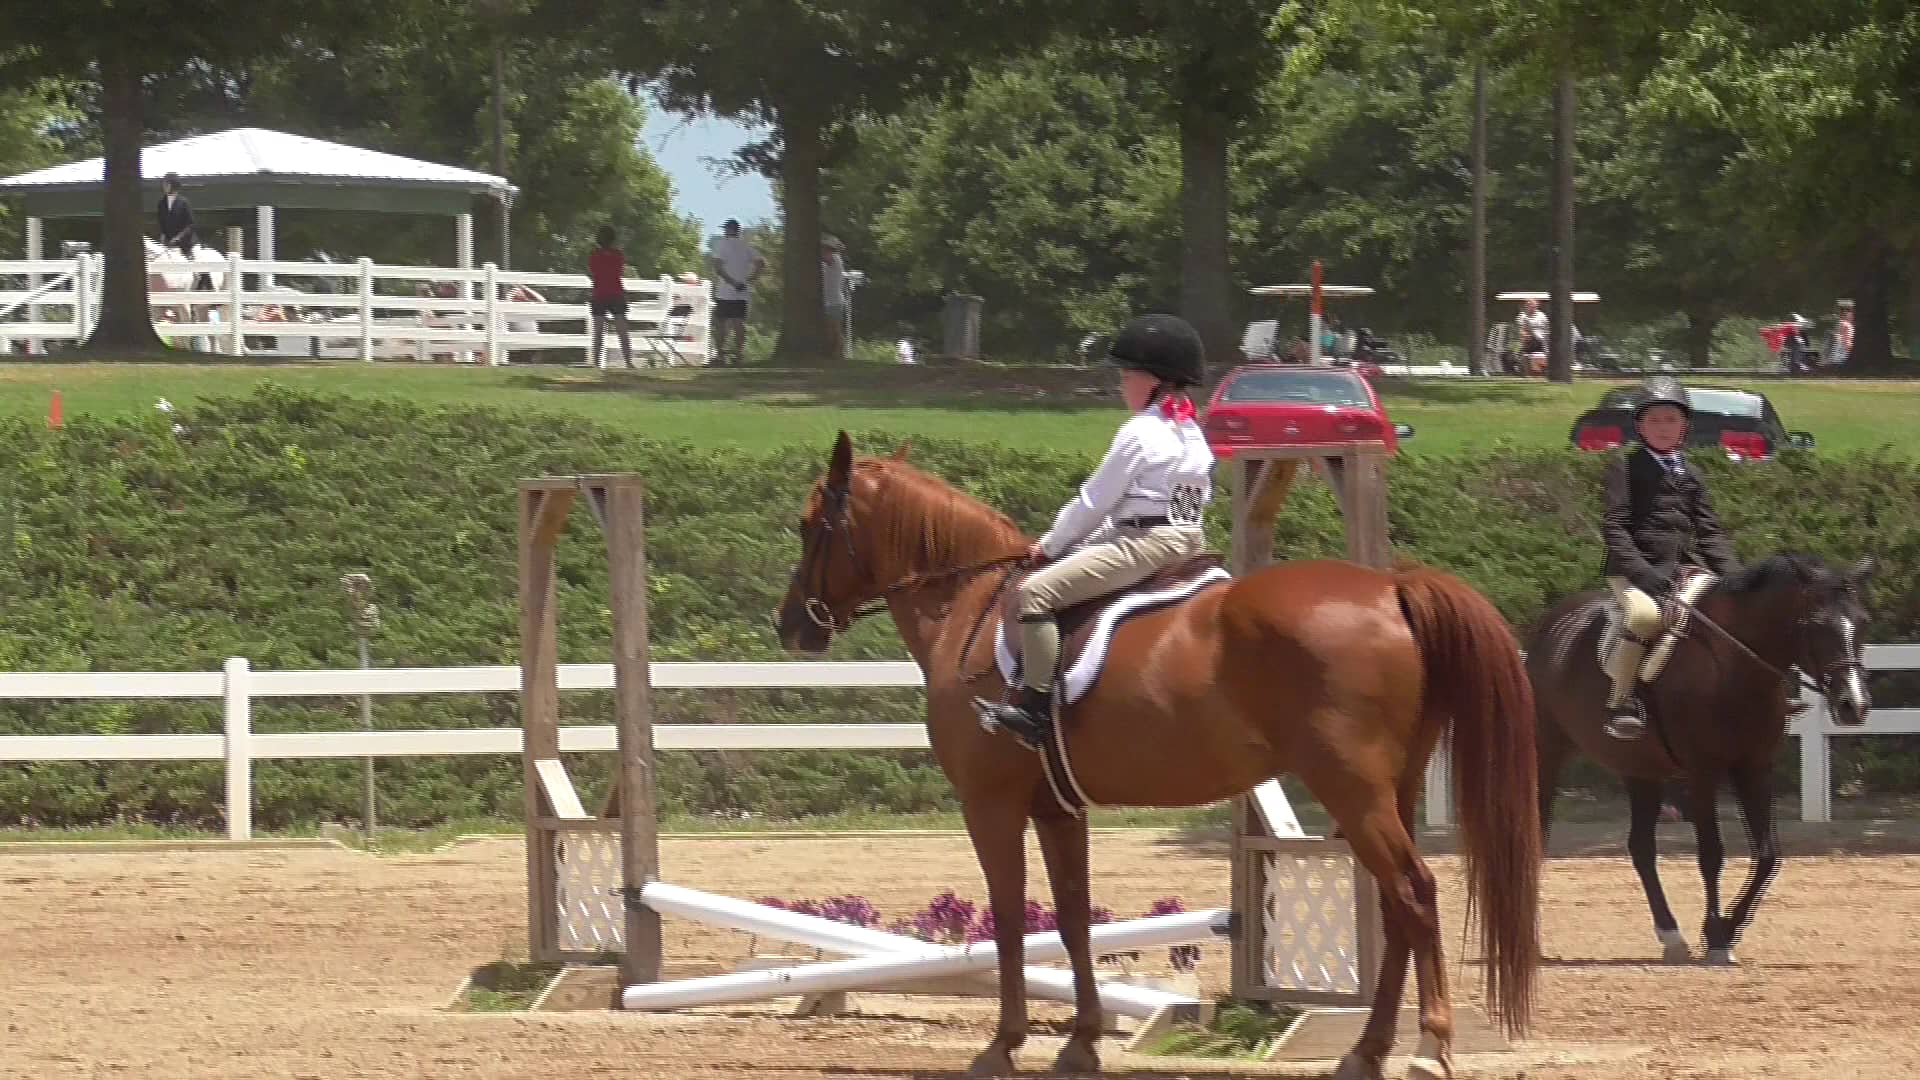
(1143, 522)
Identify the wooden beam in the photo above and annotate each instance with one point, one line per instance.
(624, 502)
(543, 515)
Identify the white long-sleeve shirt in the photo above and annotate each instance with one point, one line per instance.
(1155, 467)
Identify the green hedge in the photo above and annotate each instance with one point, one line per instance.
(131, 545)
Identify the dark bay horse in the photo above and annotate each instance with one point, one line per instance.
(1717, 712)
(1345, 676)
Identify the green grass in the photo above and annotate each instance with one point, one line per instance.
(1032, 407)
(1240, 1031)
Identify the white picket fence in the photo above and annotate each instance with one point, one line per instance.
(238, 745)
(367, 311)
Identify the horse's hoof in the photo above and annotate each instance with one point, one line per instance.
(1430, 1060)
(1721, 958)
(1674, 948)
(995, 1060)
(1077, 1058)
(1355, 1067)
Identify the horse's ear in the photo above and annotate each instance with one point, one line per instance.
(900, 453)
(840, 466)
(1861, 571)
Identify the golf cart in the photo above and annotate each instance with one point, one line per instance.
(1322, 343)
(1506, 352)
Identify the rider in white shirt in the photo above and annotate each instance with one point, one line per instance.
(1140, 510)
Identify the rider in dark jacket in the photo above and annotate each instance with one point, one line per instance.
(1659, 526)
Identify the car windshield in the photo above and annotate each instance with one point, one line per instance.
(1725, 402)
(1306, 387)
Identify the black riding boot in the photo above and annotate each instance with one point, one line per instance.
(1029, 716)
(1624, 722)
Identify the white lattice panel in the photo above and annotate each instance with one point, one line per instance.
(592, 918)
(1312, 937)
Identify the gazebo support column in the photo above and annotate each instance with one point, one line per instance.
(263, 241)
(36, 242)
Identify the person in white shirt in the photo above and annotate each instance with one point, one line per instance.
(833, 294)
(1532, 323)
(735, 266)
(1140, 510)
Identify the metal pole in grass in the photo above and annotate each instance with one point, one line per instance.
(366, 619)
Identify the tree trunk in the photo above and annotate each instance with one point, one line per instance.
(1560, 308)
(1206, 278)
(1477, 241)
(1873, 308)
(1699, 338)
(802, 321)
(499, 208)
(126, 324)
(1913, 305)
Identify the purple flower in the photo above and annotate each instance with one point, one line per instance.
(1166, 905)
(853, 910)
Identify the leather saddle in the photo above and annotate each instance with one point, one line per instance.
(1079, 623)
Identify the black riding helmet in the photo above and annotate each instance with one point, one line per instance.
(1166, 346)
(1662, 390)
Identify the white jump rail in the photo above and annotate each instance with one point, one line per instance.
(237, 685)
(369, 310)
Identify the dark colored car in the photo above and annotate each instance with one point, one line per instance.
(1742, 423)
(1259, 405)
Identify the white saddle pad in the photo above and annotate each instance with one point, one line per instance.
(1076, 680)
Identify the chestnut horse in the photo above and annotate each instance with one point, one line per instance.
(1345, 676)
(1719, 711)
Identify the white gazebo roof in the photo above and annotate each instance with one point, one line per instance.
(258, 167)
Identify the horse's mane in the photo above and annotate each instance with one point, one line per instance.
(925, 522)
(1783, 570)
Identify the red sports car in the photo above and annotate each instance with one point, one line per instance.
(1262, 405)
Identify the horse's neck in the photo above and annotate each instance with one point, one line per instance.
(917, 542)
(1762, 621)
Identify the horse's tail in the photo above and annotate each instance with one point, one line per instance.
(1475, 676)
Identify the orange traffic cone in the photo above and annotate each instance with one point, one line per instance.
(53, 411)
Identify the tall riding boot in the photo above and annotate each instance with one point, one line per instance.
(1625, 718)
(1030, 714)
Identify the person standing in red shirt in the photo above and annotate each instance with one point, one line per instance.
(606, 266)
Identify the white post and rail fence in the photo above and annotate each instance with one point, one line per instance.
(238, 685)
(355, 310)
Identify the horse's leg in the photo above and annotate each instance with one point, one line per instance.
(1063, 842)
(1712, 853)
(1376, 1041)
(1551, 748)
(1643, 798)
(998, 830)
(1753, 788)
(1381, 842)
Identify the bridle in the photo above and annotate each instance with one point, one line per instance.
(834, 510)
(1829, 675)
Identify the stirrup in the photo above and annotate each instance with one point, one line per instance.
(1027, 718)
(1626, 722)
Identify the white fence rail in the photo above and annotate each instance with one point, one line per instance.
(239, 745)
(357, 310)
(1814, 728)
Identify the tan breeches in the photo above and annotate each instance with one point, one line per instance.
(1642, 619)
(1123, 559)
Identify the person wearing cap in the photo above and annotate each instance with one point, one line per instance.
(1662, 535)
(735, 266)
(1840, 342)
(1140, 510)
(833, 294)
